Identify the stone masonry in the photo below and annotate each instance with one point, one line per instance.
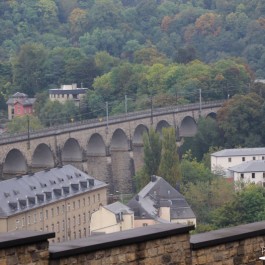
(24, 248)
(164, 244)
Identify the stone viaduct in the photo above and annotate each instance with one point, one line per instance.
(108, 149)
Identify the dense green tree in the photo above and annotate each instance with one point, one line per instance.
(205, 197)
(169, 167)
(23, 124)
(247, 206)
(28, 68)
(240, 119)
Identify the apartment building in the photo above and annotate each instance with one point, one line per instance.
(57, 200)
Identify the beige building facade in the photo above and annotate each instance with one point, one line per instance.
(111, 218)
(66, 93)
(60, 200)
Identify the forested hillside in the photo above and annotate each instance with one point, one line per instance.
(166, 50)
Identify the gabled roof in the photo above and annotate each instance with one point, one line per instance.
(240, 152)
(23, 193)
(118, 207)
(249, 166)
(159, 193)
(22, 98)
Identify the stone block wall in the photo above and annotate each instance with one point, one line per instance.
(24, 248)
(240, 245)
(158, 244)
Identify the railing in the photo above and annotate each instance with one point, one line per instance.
(93, 123)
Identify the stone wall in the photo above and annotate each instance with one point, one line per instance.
(168, 244)
(27, 247)
(238, 245)
(158, 244)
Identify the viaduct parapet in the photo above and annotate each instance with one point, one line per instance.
(108, 149)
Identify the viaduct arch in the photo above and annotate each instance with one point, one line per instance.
(109, 150)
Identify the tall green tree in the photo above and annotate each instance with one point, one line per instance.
(152, 152)
(169, 167)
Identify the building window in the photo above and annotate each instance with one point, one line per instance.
(58, 227)
(17, 224)
(73, 205)
(264, 175)
(78, 204)
(68, 223)
(243, 158)
(84, 218)
(63, 208)
(263, 158)
(52, 212)
(84, 202)
(84, 232)
(35, 218)
(74, 221)
(58, 210)
(28, 219)
(46, 214)
(41, 216)
(79, 219)
(254, 158)
(242, 175)
(253, 175)
(23, 221)
(63, 225)
(229, 159)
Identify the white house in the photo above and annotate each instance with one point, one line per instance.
(227, 158)
(249, 172)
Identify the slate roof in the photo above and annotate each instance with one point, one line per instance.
(68, 91)
(249, 166)
(24, 193)
(240, 152)
(118, 207)
(158, 193)
(21, 98)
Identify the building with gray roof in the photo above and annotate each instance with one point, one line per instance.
(248, 172)
(159, 202)
(60, 200)
(227, 158)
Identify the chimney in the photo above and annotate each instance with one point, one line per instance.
(153, 178)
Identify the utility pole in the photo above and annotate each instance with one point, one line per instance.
(28, 132)
(126, 105)
(107, 115)
(200, 111)
(151, 109)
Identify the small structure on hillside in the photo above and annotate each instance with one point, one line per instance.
(19, 105)
(67, 92)
(248, 172)
(159, 202)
